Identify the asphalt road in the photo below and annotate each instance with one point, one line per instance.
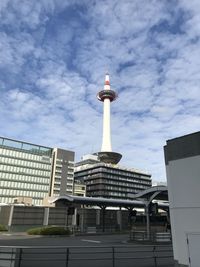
(82, 251)
(22, 239)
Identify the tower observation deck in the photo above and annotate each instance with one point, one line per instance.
(107, 96)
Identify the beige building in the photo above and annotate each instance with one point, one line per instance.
(79, 189)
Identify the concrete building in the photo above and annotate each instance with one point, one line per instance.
(108, 180)
(79, 188)
(33, 171)
(62, 173)
(182, 157)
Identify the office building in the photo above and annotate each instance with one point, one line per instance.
(33, 171)
(108, 180)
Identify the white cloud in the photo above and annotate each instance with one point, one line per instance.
(53, 57)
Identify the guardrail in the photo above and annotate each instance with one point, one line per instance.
(153, 236)
(54, 256)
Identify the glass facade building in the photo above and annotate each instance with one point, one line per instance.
(27, 170)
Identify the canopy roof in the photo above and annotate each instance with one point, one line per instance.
(156, 192)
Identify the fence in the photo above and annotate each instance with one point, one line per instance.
(152, 237)
(96, 256)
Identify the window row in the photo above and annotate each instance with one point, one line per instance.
(125, 179)
(118, 183)
(117, 171)
(113, 175)
(16, 169)
(27, 186)
(24, 178)
(113, 188)
(69, 187)
(25, 163)
(20, 193)
(23, 155)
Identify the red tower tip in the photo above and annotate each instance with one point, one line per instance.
(107, 79)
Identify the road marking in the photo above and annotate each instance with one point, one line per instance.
(92, 241)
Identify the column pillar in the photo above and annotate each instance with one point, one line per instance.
(46, 216)
(147, 220)
(103, 208)
(119, 218)
(10, 216)
(74, 222)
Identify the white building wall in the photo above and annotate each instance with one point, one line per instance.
(183, 179)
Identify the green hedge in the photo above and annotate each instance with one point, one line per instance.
(3, 228)
(49, 230)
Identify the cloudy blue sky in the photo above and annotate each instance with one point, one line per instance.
(53, 58)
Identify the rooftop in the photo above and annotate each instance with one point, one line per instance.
(87, 164)
(27, 147)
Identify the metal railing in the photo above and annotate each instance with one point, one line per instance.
(153, 236)
(96, 256)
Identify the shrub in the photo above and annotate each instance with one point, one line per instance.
(3, 228)
(34, 231)
(49, 230)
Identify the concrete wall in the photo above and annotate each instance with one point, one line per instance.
(183, 177)
(57, 216)
(21, 218)
(5, 214)
(27, 215)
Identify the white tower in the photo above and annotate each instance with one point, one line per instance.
(107, 96)
(106, 141)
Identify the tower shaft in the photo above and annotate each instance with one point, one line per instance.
(107, 96)
(106, 141)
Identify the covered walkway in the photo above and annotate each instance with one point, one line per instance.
(141, 200)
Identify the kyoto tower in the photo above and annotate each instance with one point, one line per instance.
(107, 96)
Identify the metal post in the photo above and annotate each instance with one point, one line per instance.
(148, 221)
(19, 257)
(13, 256)
(154, 256)
(67, 258)
(113, 257)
